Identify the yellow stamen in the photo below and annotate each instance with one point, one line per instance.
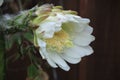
(59, 41)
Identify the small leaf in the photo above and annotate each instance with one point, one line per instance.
(28, 36)
(32, 71)
(41, 75)
(11, 39)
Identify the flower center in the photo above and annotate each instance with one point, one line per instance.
(59, 41)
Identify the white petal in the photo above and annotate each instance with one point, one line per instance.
(51, 63)
(42, 46)
(81, 20)
(42, 54)
(58, 17)
(74, 52)
(77, 52)
(41, 43)
(88, 29)
(86, 50)
(71, 59)
(83, 39)
(58, 26)
(70, 18)
(59, 61)
(46, 29)
(61, 18)
(73, 27)
(90, 50)
(45, 55)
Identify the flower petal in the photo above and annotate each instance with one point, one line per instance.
(72, 28)
(71, 55)
(83, 39)
(46, 29)
(42, 46)
(78, 51)
(71, 60)
(88, 29)
(81, 20)
(45, 55)
(61, 17)
(59, 61)
(51, 63)
(74, 52)
(70, 18)
(86, 50)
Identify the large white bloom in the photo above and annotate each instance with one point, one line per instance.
(63, 37)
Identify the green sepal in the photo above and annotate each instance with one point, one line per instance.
(39, 19)
(29, 36)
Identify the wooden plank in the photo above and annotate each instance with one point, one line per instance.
(105, 17)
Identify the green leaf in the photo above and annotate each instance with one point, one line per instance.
(37, 74)
(32, 71)
(29, 36)
(11, 39)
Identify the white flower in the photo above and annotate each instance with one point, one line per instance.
(63, 37)
(1, 2)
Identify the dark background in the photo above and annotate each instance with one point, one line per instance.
(104, 63)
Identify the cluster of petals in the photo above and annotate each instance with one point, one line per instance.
(77, 28)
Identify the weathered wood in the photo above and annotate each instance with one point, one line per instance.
(105, 62)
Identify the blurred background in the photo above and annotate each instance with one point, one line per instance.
(104, 63)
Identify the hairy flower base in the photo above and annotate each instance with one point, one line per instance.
(59, 41)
